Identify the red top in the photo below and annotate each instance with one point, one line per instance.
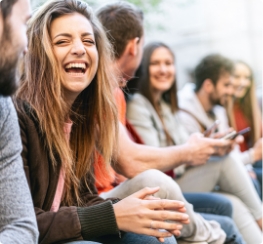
(242, 123)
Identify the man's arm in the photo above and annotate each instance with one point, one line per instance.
(17, 217)
(133, 158)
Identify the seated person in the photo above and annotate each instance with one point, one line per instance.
(153, 113)
(243, 111)
(63, 102)
(17, 221)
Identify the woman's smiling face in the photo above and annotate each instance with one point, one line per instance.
(75, 50)
(161, 69)
(241, 80)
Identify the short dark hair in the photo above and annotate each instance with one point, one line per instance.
(122, 22)
(6, 8)
(211, 67)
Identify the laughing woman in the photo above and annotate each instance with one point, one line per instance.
(63, 103)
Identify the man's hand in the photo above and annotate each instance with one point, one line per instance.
(239, 139)
(202, 148)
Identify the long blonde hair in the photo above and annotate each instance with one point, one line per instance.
(250, 108)
(94, 113)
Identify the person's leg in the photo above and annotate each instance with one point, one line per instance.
(230, 175)
(258, 170)
(228, 225)
(244, 221)
(258, 164)
(211, 203)
(131, 238)
(197, 230)
(256, 183)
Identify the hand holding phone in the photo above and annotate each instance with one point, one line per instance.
(232, 135)
(211, 129)
(241, 132)
(229, 136)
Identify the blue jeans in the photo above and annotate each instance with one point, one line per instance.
(216, 207)
(127, 238)
(228, 225)
(258, 170)
(211, 203)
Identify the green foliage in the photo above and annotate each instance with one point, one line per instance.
(149, 7)
(146, 5)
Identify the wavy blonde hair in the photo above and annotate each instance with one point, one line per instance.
(94, 113)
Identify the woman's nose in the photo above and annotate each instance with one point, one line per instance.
(162, 68)
(78, 49)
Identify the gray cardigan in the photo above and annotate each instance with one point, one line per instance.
(17, 217)
(142, 115)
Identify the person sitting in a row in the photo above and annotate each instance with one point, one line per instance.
(243, 111)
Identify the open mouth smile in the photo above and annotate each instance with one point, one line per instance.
(76, 68)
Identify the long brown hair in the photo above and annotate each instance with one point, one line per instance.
(94, 114)
(250, 108)
(142, 84)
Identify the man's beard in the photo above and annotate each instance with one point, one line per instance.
(214, 100)
(218, 100)
(9, 56)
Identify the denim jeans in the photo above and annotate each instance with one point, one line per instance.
(210, 203)
(213, 206)
(233, 180)
(127, 238)
(228, 225)
(258, 170)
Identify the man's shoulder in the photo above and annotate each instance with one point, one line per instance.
(6, 107)
(5, 104)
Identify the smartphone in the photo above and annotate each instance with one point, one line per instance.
(241, 132)
(211, 128)
(229, 136)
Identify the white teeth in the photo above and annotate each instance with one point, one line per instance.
(76, 65)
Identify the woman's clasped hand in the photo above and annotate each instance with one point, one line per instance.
(144, 214)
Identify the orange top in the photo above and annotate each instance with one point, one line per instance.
(121, 104)
(107, 178)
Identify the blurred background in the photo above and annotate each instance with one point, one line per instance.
(195, 28)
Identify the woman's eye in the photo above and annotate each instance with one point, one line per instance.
(60, 42)
(89, 41)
